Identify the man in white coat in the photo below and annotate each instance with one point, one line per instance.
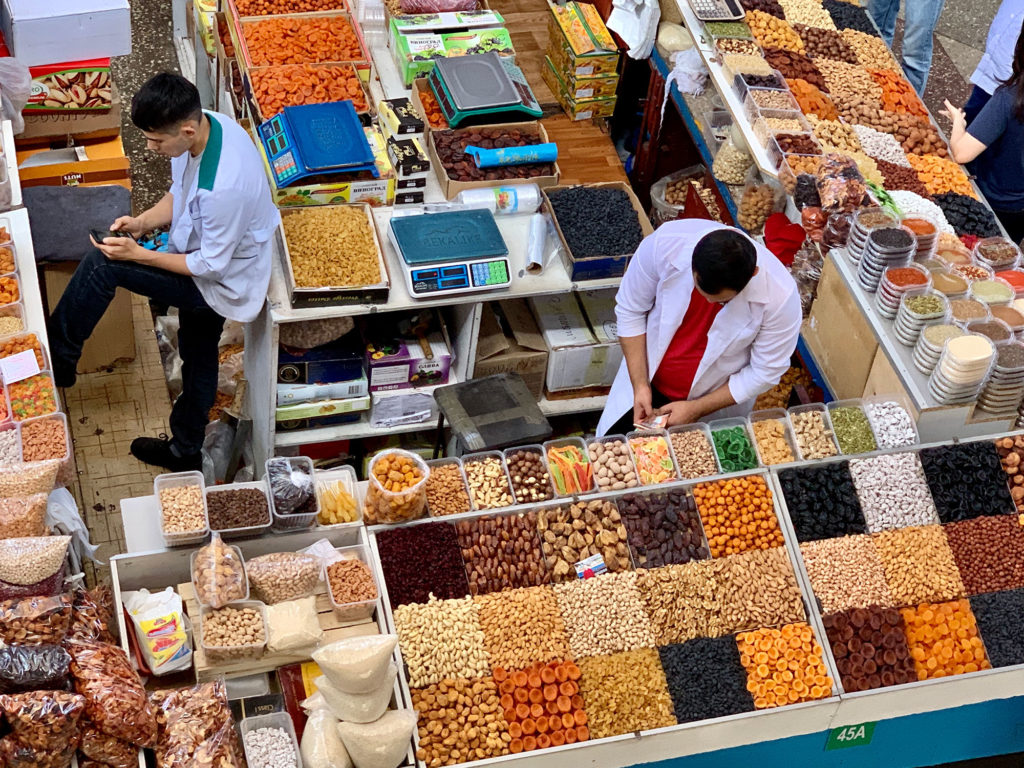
(707, 319)
(221, 218)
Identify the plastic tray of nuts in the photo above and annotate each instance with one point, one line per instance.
(488, 488)
(357, 610)
(862, 443)
(454, 497)
(907, 431)
(688, 466)
(325, 480)
(181, 514)
(216, 654)
(278, 720)
(612, 466)
(778, 458)
(824, 443)
(244, 531)
(523, 491)
(40, 443)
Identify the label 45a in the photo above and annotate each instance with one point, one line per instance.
(850, 736)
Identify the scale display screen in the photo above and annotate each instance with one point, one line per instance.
(459, 278)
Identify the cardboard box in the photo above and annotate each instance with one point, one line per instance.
(598, 267)
(446, 21)
(574, 60)
(400, 363)
(580, 89)
(599, 309)
(451, 188)
(339, 360)
(260, 114)
(511, 343)
(71, 30)
(583, 109)
(408, 158)
(398, 118)
(419, 87)
(73, 86)
(46, 127)
(575, 357)
(415, 52)
(87, 164)
(114, 336)
(321, 413)
(288, 394)
(362, 64)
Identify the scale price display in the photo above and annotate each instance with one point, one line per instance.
(850, 736)
(458, 278)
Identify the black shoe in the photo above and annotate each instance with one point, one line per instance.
(157, 451)
(62, 376)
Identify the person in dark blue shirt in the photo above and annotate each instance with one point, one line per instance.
(995, 142)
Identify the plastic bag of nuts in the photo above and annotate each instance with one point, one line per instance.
(32, 566)
(218, 574)
(43, 720)
(397, 488)
(22, 516)
(282, 576)
(196, 728)
(107, 750)
(32, 620)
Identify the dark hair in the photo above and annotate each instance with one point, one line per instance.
(1016, 79)
(164, 103)
(724, 260)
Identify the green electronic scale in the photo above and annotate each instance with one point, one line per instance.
(482, 85)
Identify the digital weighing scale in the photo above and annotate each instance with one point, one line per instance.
(481, 85)
(451, 252)
(316, 139)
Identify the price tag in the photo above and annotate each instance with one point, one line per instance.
(850, 736)
(591, 567)
(19, 366)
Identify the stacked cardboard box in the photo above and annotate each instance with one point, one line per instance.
(582, 61)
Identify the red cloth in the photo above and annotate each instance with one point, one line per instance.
(675, 374)
(782, 237)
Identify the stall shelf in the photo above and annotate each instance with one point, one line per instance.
(10, 161)
(17, 224)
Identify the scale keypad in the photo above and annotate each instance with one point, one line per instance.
(490, 273)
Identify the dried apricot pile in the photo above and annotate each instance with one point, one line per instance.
(784, 666)
(6, 260)
(898, 94)
(812, 100)
(738, 515)
(23, 343)
(292, 40)
(273, 7)
(944, 640)
(432, 110)
(292, 85)
(941, 175)
(9, 292)
(542, 705)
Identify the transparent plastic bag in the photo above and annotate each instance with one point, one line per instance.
(731, 163)
(759, 200)
(32, 565)
(290, 485)
(840, 184)
(43, 720)
(664, 210)
(357, 664)
(438, 6)
(293, 625)
(35, 619)
(358, 707)
(282, 576)
(27, 479)
(321, 745)
(14, 754)
(382, 743)
(92, 614)
(218, 574)
(196, 728)
(307, 334)
(116, 702)
(23, 516)
(15, 90)
(33, 667)
(108, 750)
(387, 506)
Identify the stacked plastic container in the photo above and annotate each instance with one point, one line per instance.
(997, 253)
(885, 247)
(1004, 389)
(887, 300)
(911, 318)
(962, 369)
(926, 233)
(930, 344)
(863, 222)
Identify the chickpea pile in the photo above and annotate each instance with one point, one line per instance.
(738, 515)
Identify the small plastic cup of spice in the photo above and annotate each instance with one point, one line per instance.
(927, 234)
(997, 253)
(950, 285)
(895, 282)
(733, 447)
(570, 467)
(918, 308)
(931, 343)
(652, 457)
(996, 330)
(396, 490)
(1012, 316)
(972, 272)
(34, 396)
(852, 428)
(1015, 279)
(991, 291)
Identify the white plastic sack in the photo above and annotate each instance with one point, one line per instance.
(15, 88)
(688, 73)
(358, 707)
(357, 664)
(321, 745)
(62, 517)
(636, 22)
(382, 743)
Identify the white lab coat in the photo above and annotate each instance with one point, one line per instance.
(751, 339)
(225, 220)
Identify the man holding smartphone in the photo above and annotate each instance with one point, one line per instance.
(217, 265)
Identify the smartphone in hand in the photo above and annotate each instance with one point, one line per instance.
(98, 234)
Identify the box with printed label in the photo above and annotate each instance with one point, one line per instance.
(399, 363)
(578, 42)
(446, 21)
(41, 127)
(397, 117)
(321, 413)
(76, 86)
(580, 88)
(511, 342)
(415, 52)
(408, 158)
(584, 109)
(576, 359)
(599, 309)
(90, 163)
(336, 390)
(339, 360)
(66, 30)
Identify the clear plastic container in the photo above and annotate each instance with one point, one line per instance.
(383, 506)
(279, 720)
(360, 610)
(952, 254)
(909, 323)
(43, 378)
(754, 104)
(561, 488)
(956, 380)
(547, 490)
(857, 404)
(27, 424)
(926, 233)
(192, 575)
(997, 253)
(292, 521)
(326, 479)
(13, 276)
(949, 285)
(17, 309)
(697, 427)
(646, 472)
(806, 453)
(626, 458)
(219, 654)
(971, 271)
(1015, 277)
(248, 686)
(740, 85)
(434, 464)
(780, 415)
(793, 165)
(902, 402)
(776, 153)
(21, 335)
(472, 458)
(729, 465)
(887, 300)
(181, 480)
(995, 330)
(247, 531)
(992, 291)
(766, 125)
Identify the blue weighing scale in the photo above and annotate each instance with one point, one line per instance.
(451, 252)
(316, 139)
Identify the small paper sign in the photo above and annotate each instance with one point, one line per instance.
(591, 567)
(19, 366)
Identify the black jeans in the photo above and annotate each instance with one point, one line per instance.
(1013, 223)
(87, 297)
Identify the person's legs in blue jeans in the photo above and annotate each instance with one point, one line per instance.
(87, 297)
(884, 13)
(922, 16)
